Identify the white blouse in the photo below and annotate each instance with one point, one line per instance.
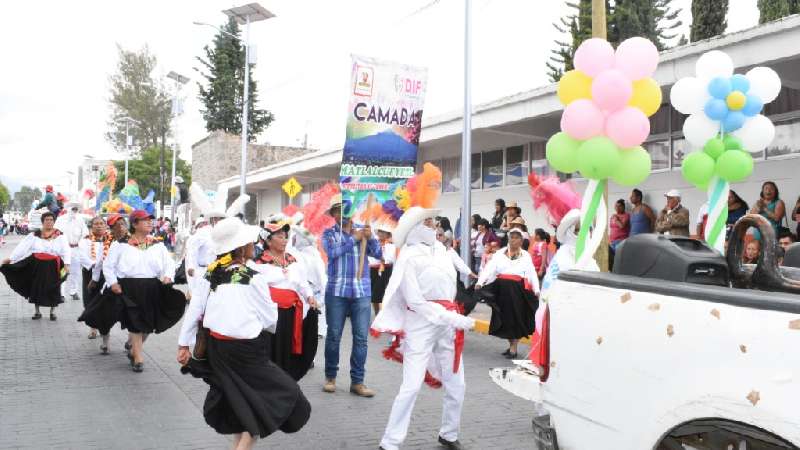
(295, 278)
(501, 264)
(126, 261)
(85, 251)
(458, 263)
(32, 244)
(200, 250)
(239, 311)
(389, 252)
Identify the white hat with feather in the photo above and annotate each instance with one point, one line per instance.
(217, 207)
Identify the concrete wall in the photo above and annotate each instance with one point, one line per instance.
(218, 156)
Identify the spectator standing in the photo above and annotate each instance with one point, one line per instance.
(674, 218)
(642, 218)
(619, 224)
(499, 217)
(770, 205)
(483, 238)
(540, 251)
(796, 216)
(701, 221)
(736, 209)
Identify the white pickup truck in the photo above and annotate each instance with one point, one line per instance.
(632, 362)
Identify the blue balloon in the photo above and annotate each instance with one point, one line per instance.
(752, 105)
(740, 83)
(716, 109)
(733, 121)
(719, 87)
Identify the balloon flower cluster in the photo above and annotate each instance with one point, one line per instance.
(608, 99)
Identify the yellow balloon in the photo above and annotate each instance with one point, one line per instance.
(574, 85)
(646, 96)
(735, 100)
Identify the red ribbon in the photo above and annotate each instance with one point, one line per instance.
(458, 343)
(287, 298)
(525, 282)
(49, 257)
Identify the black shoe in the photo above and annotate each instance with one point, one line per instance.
(128, 347)
(511, 355)
(103, 350)
(53, 316)
(37, 316)
(507, 352)
(451, 445)
(138, 367)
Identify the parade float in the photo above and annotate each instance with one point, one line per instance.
(682, 346)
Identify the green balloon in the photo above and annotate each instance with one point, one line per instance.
(698, 168)
(732, 142)
(714, 147)
(634, 167)
(598, 158)
(734, 165)
(562, 152)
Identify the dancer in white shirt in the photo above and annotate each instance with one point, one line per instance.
(514, 285)
(73, 227)
(306, 245)
(380, 269)
(231, 315)
(90, 249)
(419, 310)
(38, 265)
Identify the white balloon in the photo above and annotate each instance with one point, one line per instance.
(765, 83)
(689, 95)
(698, 129)
(756, 134)
(714, 64)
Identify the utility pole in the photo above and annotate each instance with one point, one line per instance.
(599, 31)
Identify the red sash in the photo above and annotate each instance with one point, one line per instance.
(525, 282)
(287, 298)
(458, 343)
(49, 257)
(219, 336)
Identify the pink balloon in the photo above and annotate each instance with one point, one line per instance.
(582, 119)
(637, 58)
(628, 127)
(594, 56)
(611, 90)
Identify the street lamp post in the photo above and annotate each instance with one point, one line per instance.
(128, 142)
(180, 80)
(466, 141)
(244, 15)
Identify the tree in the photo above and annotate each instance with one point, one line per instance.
(655, 20)
(145, 170)
(775, 9)
(23, 199)
(222, 97)
(5, 198)
(708, 19)
(579, 26)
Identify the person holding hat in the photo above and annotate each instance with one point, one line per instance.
(294, 344)
(380, 269)
(514, 285)
(348, 293)
(420, 311)
(674, 218)
(38, 265)
(74, 228)
(249, 396)
(91, 248)
(139, 271)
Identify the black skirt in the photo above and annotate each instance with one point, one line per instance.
(378, 282)
(89, 294)
(247, 391)
(35, 279)
(281, 343)
(513, 309)
(145, 306)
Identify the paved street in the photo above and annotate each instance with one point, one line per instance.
(57, 391)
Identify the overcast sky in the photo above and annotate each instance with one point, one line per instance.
(57, 57)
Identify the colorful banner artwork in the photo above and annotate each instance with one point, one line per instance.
(383, 128)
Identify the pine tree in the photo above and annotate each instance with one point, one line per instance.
(222, 97)
(579, 26)
(775, 9)
(655, 20)
(708, 19)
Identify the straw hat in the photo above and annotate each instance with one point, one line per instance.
(409, 220)
(231, 233)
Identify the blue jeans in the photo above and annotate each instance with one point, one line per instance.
(360, 312)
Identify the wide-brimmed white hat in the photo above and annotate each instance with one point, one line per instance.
(231, 233)
(409, 220)
(567, 225)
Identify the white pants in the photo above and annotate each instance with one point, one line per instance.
(426, 344)
(73, 283)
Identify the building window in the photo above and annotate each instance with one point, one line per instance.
(787, 140)
(475, 173)
(539, 164)
(492, 169)
(659, 153)
(680, 148)
(516, 167)
(451, 174)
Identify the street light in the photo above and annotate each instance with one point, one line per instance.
(180, 80)
(466, 139)
(128, 141)
(244, 15)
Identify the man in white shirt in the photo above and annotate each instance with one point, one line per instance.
(74, 228)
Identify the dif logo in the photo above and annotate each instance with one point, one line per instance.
(365, 79)
(407, 86)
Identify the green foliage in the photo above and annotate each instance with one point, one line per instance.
(5, 198)
(579, 26)
(224, 88)
(775, 9)
(708, 19)
(23, 199)
(145, 170)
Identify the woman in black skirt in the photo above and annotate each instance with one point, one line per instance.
(249, 396)
(92, 248)
(514, 287)
(38, 265)
(295, 342)
(380, 270)
(139, 271)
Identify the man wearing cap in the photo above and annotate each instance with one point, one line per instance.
(674, 218)
(74, 228)
(347, 293)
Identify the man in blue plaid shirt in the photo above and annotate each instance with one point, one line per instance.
(347, 294)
